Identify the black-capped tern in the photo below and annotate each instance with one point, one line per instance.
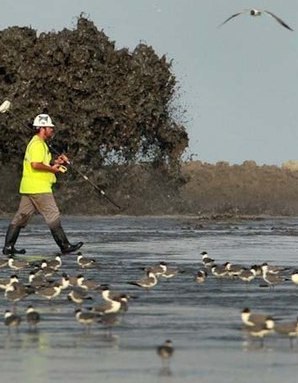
(165, 351)
(261, 330)
(257, 12)
(289, 329)
(201, 276)
(11, 320)
(32, 317)
(251, 319)
(86, 318)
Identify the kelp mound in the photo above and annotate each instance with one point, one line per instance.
(109, 105)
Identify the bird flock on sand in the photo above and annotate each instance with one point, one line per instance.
(94, 304)
(42, 282)
(255, 325)
(46, 280)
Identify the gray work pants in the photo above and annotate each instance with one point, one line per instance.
(43, 203)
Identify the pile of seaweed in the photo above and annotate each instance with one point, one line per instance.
(110, 105)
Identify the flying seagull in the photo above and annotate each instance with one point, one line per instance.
(258, 12)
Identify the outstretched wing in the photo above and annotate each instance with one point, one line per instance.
(279, 20)
(229, 18)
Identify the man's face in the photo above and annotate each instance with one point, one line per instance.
(49, 131)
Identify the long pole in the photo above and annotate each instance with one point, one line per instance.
(4, 108)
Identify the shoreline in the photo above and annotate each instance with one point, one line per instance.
(211, 217)
(200, 190)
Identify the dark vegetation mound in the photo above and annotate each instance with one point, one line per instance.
(109, 105)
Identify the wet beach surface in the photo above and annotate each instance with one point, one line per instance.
(202, 320)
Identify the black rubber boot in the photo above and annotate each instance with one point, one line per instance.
(10, 240)
(62, 241)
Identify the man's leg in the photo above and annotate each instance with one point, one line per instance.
(46, 205)
(62, 241)
(19, 221)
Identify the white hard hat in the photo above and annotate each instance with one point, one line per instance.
(5, 106)
(43, 120)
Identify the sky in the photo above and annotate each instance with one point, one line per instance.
(237, 83)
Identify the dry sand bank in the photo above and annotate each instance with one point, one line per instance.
(201, 189)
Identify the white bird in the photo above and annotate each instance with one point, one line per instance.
(252, 319)
(289, 329)
(261, 330)
(87, 284)
(109, 320)
(110, 307)
(271, 278)
(271, 268)
(11, 320)
(258, 12)
(86, 318)
(85, 262)
(32, 317)
(50, 292)
(207, 261)
(147, 282)
(294, 277)
(4, 283)
(247, 275)
(234, 270)
(201, 276)
(165, 351)
(219, 271)
(158, 270)
(55, 263)
(78, 296)
(170, 272)
(16, 292)
(17, 264)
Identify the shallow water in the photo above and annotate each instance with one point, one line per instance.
(203, 321)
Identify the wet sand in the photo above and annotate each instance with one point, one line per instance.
(203, 321)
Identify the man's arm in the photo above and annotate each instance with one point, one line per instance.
(46, 168)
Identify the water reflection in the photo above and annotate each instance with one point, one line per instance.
(96, 340)
(203, 320)
(25, 340)
(165, 371)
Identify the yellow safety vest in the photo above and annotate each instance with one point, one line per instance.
(36, 181)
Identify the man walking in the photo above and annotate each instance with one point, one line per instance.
(36, 190)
